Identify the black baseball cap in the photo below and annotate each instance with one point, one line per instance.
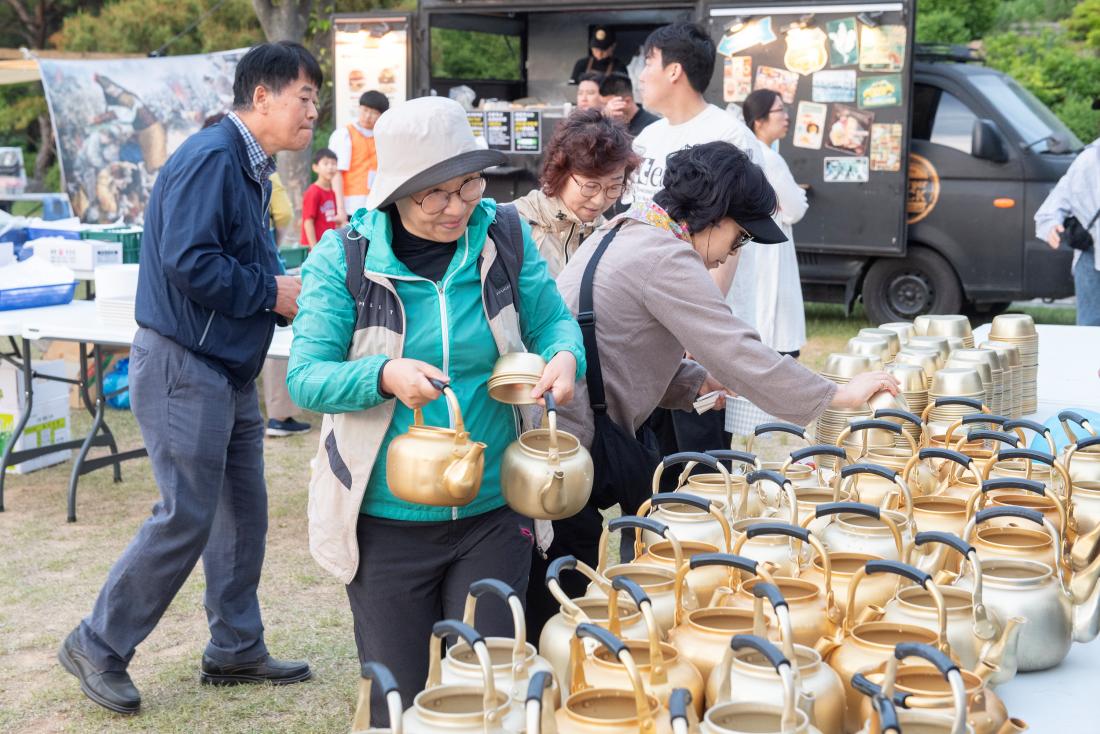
(602, 38)
(763, 230)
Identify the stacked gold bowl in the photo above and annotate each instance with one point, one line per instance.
(1019, 331)
(954, 382)
(914, 392)
(840, 367)
(950, 325)
(988, 363)
(1010, 356)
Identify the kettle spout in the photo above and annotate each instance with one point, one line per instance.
(462, 479)
(1013, 726)
(999, 659)
(551, 497)
(1086, 549)
(1086, 610)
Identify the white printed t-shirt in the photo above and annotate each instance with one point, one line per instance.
(659, 140)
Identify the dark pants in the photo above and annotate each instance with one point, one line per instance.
(205, 442)
(413, 574)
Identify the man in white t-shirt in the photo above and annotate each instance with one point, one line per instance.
(679, 64)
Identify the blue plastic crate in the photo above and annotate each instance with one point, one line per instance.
(34, 233)
(34, 297)
(16, 236)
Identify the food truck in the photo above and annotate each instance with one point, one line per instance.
(924, 168)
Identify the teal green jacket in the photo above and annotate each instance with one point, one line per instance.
(446, 327)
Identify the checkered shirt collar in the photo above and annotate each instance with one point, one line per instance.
(262, 164)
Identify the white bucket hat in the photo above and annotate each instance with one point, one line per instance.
(421, 143)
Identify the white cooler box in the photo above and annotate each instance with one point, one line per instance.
(50, 421)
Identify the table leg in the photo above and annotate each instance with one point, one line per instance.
(97, 409)
(28, 397)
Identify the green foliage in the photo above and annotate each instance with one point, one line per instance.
(941, 27)
(1012, 13)
(141, 26)
(474, 55)
(1084, 23)
(1054, 71)
(976, 16)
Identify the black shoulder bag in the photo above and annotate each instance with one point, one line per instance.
(1076, 236)
(623, 465)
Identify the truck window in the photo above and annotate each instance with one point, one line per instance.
(942, 118)
(475, 55)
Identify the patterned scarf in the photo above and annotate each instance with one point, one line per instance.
(652, 214)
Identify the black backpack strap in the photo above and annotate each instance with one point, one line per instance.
(586, 317)
(507, 233)
(355, 257)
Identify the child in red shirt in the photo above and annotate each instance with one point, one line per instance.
(319, 203)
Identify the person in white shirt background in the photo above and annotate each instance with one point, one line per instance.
(766, 290)
(679, 64)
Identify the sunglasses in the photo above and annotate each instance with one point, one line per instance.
(435, 201)
(743, 239)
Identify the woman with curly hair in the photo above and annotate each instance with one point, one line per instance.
(642, 294)
(585, 170)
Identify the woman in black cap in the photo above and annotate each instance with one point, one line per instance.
(601, 55)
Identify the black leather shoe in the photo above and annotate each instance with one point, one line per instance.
(265, 670)
(111, 690)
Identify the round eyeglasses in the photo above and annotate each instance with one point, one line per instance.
(437, 200)
(591, 189)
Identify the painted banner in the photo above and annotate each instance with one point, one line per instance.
(116, 122)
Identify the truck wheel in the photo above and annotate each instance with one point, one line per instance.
(902, 289)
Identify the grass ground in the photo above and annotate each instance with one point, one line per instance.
(51, 570)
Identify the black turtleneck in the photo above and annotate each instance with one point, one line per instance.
(426, 258)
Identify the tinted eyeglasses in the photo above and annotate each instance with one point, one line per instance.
(743, 239)
(590, 189)
(437, 200)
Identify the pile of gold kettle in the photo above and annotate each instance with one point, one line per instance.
(784, 596)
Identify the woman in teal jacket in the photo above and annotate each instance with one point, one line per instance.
(450, 281)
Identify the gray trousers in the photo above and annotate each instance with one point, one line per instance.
(205, 441)
(413, 574)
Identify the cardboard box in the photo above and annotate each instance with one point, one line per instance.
(12, 399)
(78, 254)
(50, 423)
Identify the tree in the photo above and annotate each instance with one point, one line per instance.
(976, 16)
(143, 26)
(1084, 23)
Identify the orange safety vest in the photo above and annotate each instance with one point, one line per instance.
(364, 162)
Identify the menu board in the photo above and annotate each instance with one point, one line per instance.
(369, 53)
(498, 130)
(527, 131)
(477, 124)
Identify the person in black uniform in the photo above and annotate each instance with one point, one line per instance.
(601, 55)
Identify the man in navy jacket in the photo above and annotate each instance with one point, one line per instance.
(209, 295)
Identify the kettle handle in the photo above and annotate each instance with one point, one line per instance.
(946, 454)
(1076, 445)
(885, 473)
(777, 427)
(983, 434)
(821, 449)
(997, 420)
(906, 571)
(640, 523)
(620, 651)
(553, 584)
(947, 668)
(381, 676)
(734, 456)
(1024, 513)
(452, 400)
(477, 643)
(887, 715)
(681, 713)
(508, 595)
(692, 458)
(700, 560)
(684, 498)
(786, 487)
(658, 674)
(1072, 416)
(978, 499)
(771, 592)
(859, 508)
(782, 666)
(539, 707)
(1032, 455)
(873, 424)
(804, 535)
(1021, 424)
(904, 415)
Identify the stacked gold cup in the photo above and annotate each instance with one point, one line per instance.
(1019, 331)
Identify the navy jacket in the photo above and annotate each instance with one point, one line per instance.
(207, 261)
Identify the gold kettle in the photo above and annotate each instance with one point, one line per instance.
(458, 709)
(873, 489)
(1006, 538)
(861, 644)
(812, 608)
(1086, 501)
(746, 676)
(657, 581)
(938, 511)
(721, 485)
(430, 465)
(610, 612)
(703, 524)
(822, 491)
(660, 664)
(379, 675)
(756, 717)
(546, 474)
(1058, 612)
(596, 710)
(1087, 467)
(920, 720)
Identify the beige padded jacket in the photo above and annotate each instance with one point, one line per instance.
(556, 230)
